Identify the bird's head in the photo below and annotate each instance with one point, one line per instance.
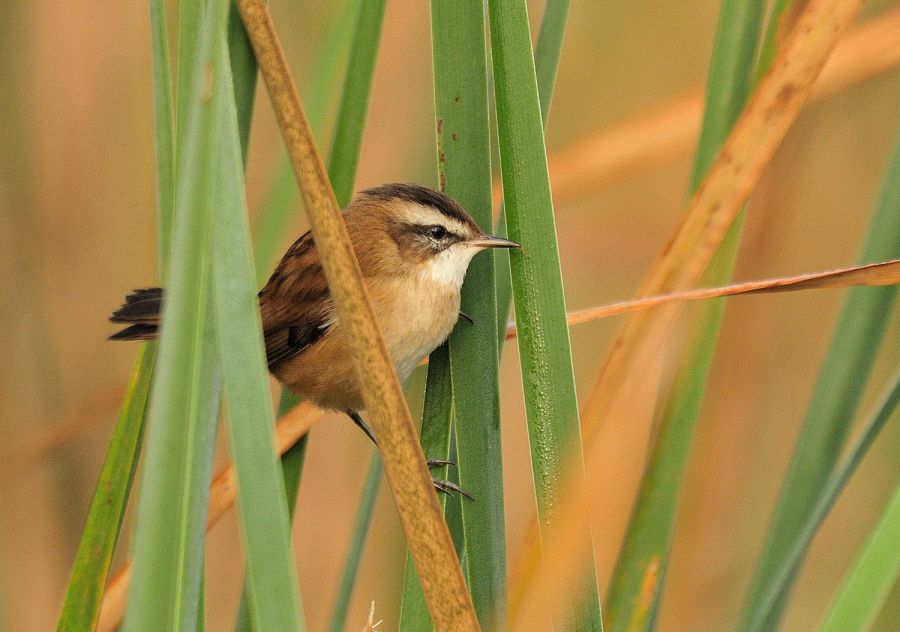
(411, 229)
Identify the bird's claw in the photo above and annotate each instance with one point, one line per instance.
(448, 488)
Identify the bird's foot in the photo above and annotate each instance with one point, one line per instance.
(447, 487)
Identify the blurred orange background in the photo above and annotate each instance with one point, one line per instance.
(77, 230)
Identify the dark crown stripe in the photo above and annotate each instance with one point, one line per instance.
(420, 195)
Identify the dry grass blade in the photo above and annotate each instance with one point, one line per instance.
(298, 421)
(96, 408)
(222, 496)
(670, 129)
(104, 402)
(93, 409)
(774, 106)
(640, 142)
(371, 624)
(429, 540)
(884, 273)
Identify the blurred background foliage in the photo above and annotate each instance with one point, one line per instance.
(78, 229)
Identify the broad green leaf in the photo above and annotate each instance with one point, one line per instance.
(171, 514)
(355, 99)
(464, 165)
(84, 595)
(645, 550)
(544, 349)
(271, 574)
(842, 380)
(546, 62)
(874, 573)
(436, 430)
(164, 131)
(413, 612)
(81, 607)
(292, 469)
(282, 200)
(772, 598)
(190, 15)
(244, 71)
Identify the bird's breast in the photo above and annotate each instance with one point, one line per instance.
(416, 315)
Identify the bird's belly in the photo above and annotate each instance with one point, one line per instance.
(429, 319)
(413, 325)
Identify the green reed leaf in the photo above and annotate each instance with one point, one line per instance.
(171, 515)
(544, 349)
(648, 538)
(271, 574)
(81, 607)
(835, 399)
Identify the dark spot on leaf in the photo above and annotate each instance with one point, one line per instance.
(786, 92)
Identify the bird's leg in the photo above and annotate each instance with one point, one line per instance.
(465, 316)
(359, 421)
(447, 487)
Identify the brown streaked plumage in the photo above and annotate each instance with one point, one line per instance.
(413, 244)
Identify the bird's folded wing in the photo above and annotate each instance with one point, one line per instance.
(295, 304)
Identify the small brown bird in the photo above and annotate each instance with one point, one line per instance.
(414, 245)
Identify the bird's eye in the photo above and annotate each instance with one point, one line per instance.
(437, 232)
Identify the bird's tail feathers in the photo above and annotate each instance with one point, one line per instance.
(141, 312)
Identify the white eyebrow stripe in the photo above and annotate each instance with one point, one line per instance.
(426, 215)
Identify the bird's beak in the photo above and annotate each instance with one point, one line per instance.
(489, 241)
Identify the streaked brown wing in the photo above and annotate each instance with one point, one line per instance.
(295, 305)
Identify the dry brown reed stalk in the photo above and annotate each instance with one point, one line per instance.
(86, 416)
(99, 405)
(431, 546)
(102, 403)
(222, 495)
(768, 115)
(647, 139)
(885, 273)
(669, 130)
(872, 274)
(297, 422)
(771, 110)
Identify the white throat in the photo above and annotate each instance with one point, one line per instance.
(449, 267)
